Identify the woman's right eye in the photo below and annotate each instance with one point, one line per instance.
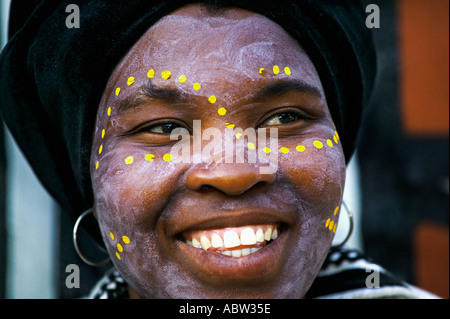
(165, 128)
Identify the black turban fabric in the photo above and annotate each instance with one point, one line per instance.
(52, 77)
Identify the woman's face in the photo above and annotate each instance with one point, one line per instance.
(199, 215)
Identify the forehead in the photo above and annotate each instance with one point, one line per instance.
(226, 47)
(238, 40)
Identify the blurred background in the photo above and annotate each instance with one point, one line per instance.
(398, 180)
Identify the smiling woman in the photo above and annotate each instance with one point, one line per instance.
(209, 201)
(213, 225)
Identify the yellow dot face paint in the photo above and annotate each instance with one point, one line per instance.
(130, 80)
(318, 144)
(150, 73)
(276, 69)
(119, 247)
(96, 165)
(212, 99)
(166, 74)
(331, 225)
(167, 157)
(287, 71)
(222, 111)
(336, 210)
(336, 135)
(129, 160)
(329, 143)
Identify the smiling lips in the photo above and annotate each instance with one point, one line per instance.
(233, 241)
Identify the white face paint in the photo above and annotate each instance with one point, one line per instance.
(140, 192)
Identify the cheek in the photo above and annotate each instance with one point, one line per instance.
(129, 194)
(315, 168)
(130, 187)
(130, 179)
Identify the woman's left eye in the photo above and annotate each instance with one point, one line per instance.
(166, 128)
(282, 118)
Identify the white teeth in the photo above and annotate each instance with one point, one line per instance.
(240, 252)
(205, 243)
(196, 243)
(260, 235)
(236, 253)
(231, 239)
(268, 234)
(246, 251)
(251, 235)
(274, 234)
(248, 236)
(216, 241)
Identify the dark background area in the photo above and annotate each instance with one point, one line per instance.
(403, 152)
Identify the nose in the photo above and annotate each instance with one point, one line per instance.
(231, 179)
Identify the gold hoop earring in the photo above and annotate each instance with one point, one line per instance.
(75, 242)
(350, 217)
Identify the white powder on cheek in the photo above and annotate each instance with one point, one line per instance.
(322, 170)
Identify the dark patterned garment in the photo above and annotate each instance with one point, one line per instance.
(348, 274)
(111, 286)
(345, 274)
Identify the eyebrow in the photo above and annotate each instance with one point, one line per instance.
(171, 95)
(286, 86)
(151, 91)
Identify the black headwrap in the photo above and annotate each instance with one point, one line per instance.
(52, 77)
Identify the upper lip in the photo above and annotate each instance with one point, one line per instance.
(196, 219)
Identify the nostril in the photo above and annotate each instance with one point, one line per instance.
(231, 180)
(208, 189)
